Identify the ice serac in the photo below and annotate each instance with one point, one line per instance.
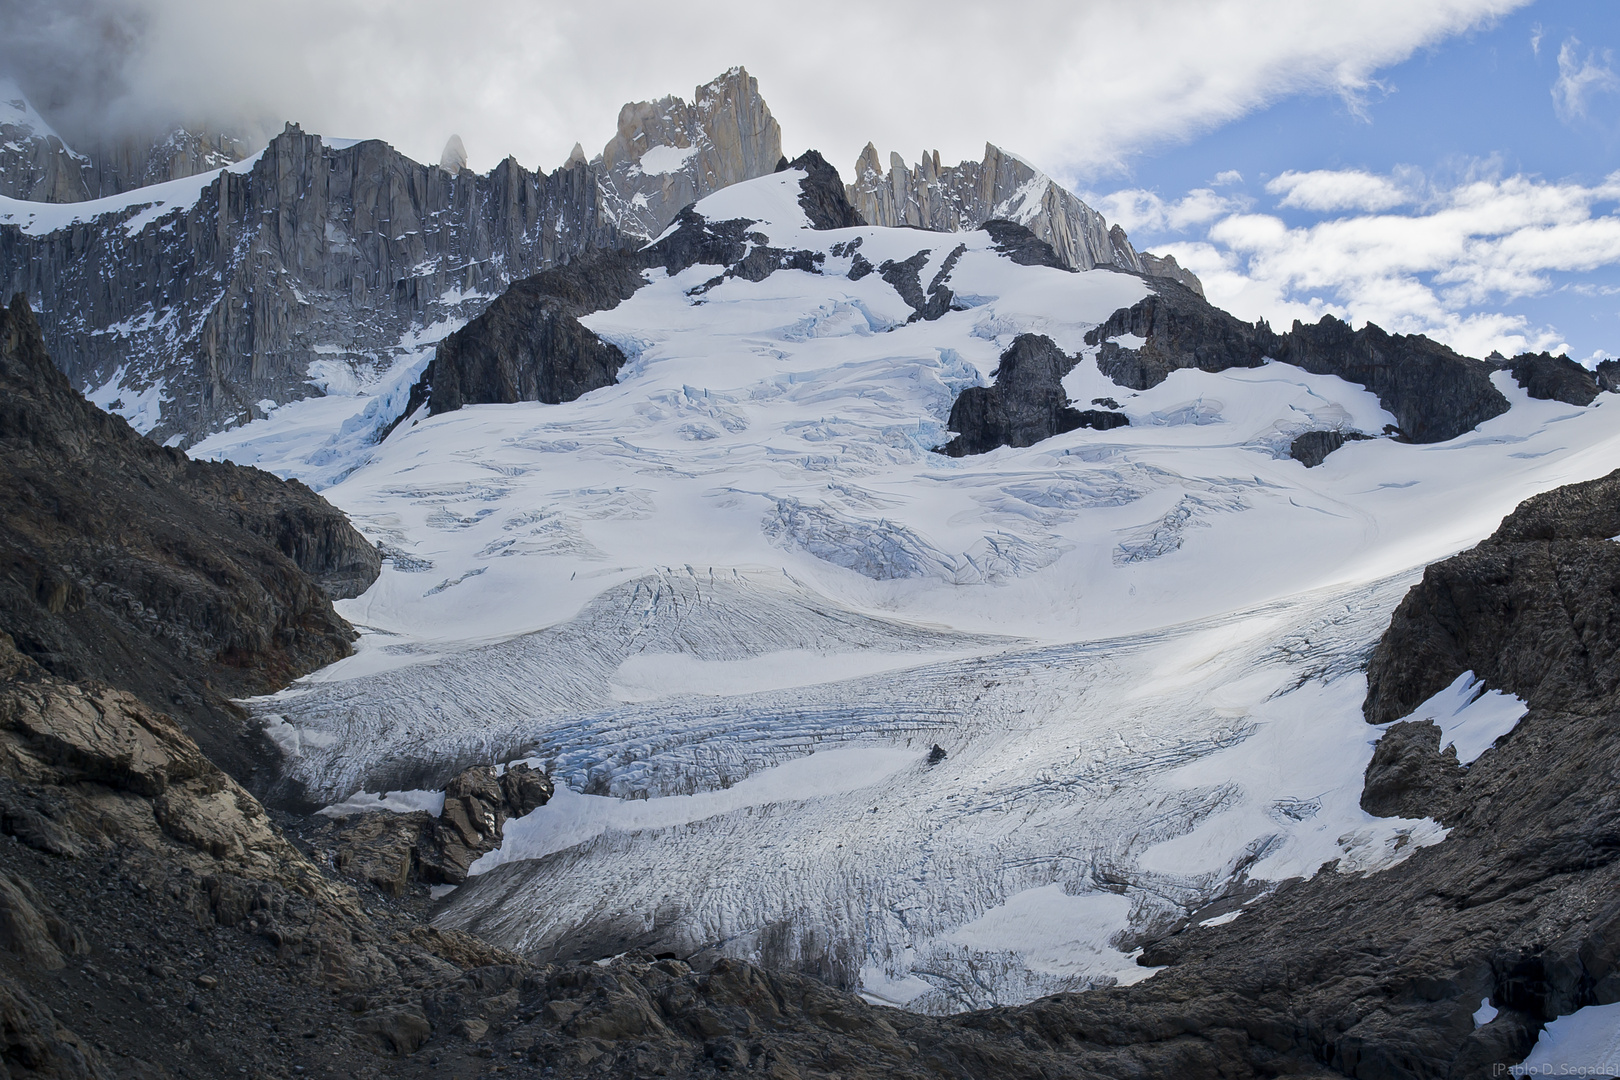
(669, 153)
(954, 198)
(312, 266)
(185, 582)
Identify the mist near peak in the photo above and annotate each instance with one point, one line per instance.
(1077, 89)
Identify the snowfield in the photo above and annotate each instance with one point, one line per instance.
(734, 601)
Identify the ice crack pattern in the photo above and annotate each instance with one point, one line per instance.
(733, 601)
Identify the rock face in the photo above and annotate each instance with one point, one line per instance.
(392, 851)
(1433, 393)
(668, 154)
(36, 165)
(1313, 447)
(823, 197)
(186, 582)
(1554, 378)
(1026, 404)
(315, 265)
(965, 196)
(322, 265)
(1533, 609)
(149, 903)
(34, 161)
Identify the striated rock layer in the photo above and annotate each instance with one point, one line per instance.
(184, 582)
(316, 263)
(318, 266)
(953, 198)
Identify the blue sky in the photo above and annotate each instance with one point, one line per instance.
(1524, 110)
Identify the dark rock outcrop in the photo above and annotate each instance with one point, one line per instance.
(1433, 393)
(1022, 246)
(186, 582)
(392, 851)
(822, 194)
(1026, 403)
(1409, 776)
(1608, 376)
(1553, 378)
(1181, 331)
(1313, 447)
(529, 345)
(1534, 609)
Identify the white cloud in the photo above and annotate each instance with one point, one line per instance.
(1136, 209)
(1323, 189)
(1581, 79)
(1430, 270)
(1075, 87)
(1228, 176)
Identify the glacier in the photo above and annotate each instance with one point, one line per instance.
(735, 601)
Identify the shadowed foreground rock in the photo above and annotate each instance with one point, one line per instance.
(185, 582)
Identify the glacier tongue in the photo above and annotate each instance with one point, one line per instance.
(1090, 794)
(1140, 649)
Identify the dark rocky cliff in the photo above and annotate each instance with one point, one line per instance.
(1433, 393)
(185, 582)
(315, 253)
(1026, 403)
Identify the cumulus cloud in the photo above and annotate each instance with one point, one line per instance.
(1580, 79)
(1077, 88)
(1324, 189)
(1135, 209)
(1430, 270)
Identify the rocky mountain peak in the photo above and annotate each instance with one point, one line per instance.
(1001, 186)
(669, 153)
(34, 161)
(37, 165)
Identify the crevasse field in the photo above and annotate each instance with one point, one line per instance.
(734, 601)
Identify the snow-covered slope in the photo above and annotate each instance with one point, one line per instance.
(735, 600)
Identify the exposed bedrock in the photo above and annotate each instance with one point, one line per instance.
(1433, 393)
(391, 851)
(1025, 404)
(1313, 447)
(529, 344)
(186, 582)
(1534, 609)
(821, 193)
(1554, 378)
